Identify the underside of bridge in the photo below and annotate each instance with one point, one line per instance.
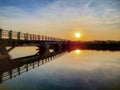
(43, 46)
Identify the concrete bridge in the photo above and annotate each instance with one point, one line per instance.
(9, 38)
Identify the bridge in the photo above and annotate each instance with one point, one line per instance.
(9, 38)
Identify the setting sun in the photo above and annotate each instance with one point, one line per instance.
(77, 35)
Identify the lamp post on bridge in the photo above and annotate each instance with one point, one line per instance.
(30, 36)
(18, 35)
(42, 37)
(10, 34)
(38, 37)
(0, 33)
(26, 36)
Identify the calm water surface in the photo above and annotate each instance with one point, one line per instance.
(77, 70)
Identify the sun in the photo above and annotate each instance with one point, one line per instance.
(77, 51)
(77, 35)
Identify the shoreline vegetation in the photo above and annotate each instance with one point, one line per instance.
(95, 45)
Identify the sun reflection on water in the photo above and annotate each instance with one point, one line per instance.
(77, 51)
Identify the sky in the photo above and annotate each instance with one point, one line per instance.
(94, 19)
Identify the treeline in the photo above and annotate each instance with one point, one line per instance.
(95, 45)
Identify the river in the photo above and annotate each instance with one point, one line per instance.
(75, 70)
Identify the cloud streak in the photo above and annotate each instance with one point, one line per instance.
(60, 16)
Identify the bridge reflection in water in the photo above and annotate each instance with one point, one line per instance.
(10, 68)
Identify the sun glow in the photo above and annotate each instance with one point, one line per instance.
(77, 35)
(77, 51)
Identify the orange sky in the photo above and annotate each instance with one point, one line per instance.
(94, 19)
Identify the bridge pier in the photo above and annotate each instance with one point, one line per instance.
(41, 49)
(3, 50)
(45, 46)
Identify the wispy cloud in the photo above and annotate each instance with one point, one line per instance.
(60, 16)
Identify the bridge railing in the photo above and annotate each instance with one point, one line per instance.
(5, 34)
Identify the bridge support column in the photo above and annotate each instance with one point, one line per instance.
(3, 50)
(42, 48)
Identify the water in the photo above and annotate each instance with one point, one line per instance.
(77, 70)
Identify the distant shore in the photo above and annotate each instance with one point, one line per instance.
(95, 45)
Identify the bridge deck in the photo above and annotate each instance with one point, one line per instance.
(11, 38)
